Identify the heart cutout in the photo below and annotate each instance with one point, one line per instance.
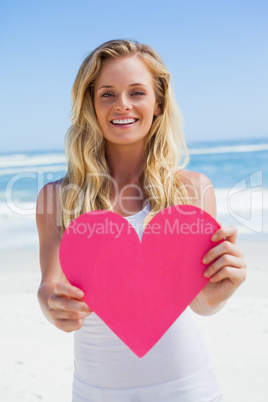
(138, 288)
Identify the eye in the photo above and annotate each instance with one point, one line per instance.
(106, 94)
(138, 93)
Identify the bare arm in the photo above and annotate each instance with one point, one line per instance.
(60, 302)
(225, 262)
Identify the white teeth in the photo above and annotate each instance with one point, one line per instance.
(125, 121)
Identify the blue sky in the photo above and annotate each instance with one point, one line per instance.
(217, 52)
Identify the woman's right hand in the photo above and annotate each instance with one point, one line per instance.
(66, 307)
(61, 303)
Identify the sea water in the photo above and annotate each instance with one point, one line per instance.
(238, 171)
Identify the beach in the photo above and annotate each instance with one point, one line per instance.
(36, 362)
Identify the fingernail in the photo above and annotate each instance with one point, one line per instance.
(80, 293)
(205, 260)
(214, 237)
(206, 274)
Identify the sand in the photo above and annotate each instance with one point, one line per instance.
(36, 359)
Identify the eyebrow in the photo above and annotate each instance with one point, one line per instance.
(136, 84)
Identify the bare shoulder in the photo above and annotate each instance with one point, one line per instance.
(200, 190)
(195, 179)
(50, 189)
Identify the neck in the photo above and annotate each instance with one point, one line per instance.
(125, 162)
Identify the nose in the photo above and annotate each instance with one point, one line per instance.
(122, 103)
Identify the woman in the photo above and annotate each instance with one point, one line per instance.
(126, 154)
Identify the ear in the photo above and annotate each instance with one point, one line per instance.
(157, 109)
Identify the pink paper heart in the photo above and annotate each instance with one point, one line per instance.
(138, 288)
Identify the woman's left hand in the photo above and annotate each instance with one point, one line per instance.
(226, 267)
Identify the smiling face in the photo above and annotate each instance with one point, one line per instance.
(124, 100)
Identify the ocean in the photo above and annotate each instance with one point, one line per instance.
(238, 171)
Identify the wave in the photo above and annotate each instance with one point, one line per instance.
(247, 210)
(229, 149)
(33, 169)
(21, 160)
(241, 200)
(17, 209)
(56, 158)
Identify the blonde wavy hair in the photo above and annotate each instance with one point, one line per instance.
(88, 183)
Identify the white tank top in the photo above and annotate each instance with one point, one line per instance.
(176, 369)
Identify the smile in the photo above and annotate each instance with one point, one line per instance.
(123, 121)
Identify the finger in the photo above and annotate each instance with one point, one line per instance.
(63, 303)
(236, 276)
(228, 232)
(224, 247)
(224, 261)
(65, 289)
(68, 315)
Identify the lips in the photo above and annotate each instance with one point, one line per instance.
(121, 122)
